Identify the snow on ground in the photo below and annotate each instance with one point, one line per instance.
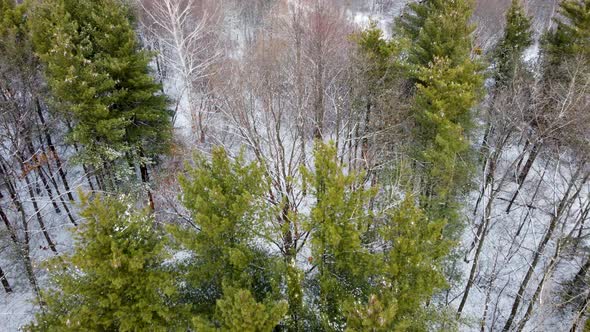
(532, 53)
(18, 308)
(510, 244)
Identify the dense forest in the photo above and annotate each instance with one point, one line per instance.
(295, 165)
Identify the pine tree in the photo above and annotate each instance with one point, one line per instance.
(409, 272)
(449, 85)
(226, 202)
(443, 116)
(378, 53)
(413, 18)
(571, 38)
(517, 38)
(116, 278)
(239, 311)
(372, 271)
(337, 224)
(12, 26)
(373, 316)
(101, 80)
(438, 29)
(413, 263)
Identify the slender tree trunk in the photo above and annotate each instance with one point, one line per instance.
(54, 153)
(145, 178)
(85, 168)
(290, 251)
(300, 89)
(533, 198)
(488, 296)
(23, 248)
(584, 215)
(490, 163)
(527, 143)
(100, 181)
(524, 174)
(580, 313)
(481, 235)
(26, 254)
(319, 98)
(5, 283)
(53, 181)
(9, 227)
(579, 278)
(59, 195)
(38, 214)
(365, 138)
(88, 176)
(529, 164)
(37, 165)
(541, 247)
(537, 293)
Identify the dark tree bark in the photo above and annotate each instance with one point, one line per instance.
(37, 212)
(55, 155)
(8, 225)
(5, 283)
(524, 174)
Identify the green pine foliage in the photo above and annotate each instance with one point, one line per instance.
(378, 53)
(443, 107)
(438, 29)
(100, 79)
(407, 274)
(19, 62)
(571, 38)
(449, 85)
(373, 316)
(225, 199)
(570, 41)
(12, 25)
(517, 38)
(413, 18)
(239, 311)
(116, 278)
(370, 270)
(443, 63)
(412, 271)
(337, 223)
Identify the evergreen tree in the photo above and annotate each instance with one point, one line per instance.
(412, 271)
(115, 280)
(101, 80)
(443, 117)
(338, 221)
(371, 271)
(438, 29)
(517, 38)
(449, 86)
(12, 26)
(409, 273)
(225, 199)
(413, 18)
(571, 38)
(377, 52)
(239, 311)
